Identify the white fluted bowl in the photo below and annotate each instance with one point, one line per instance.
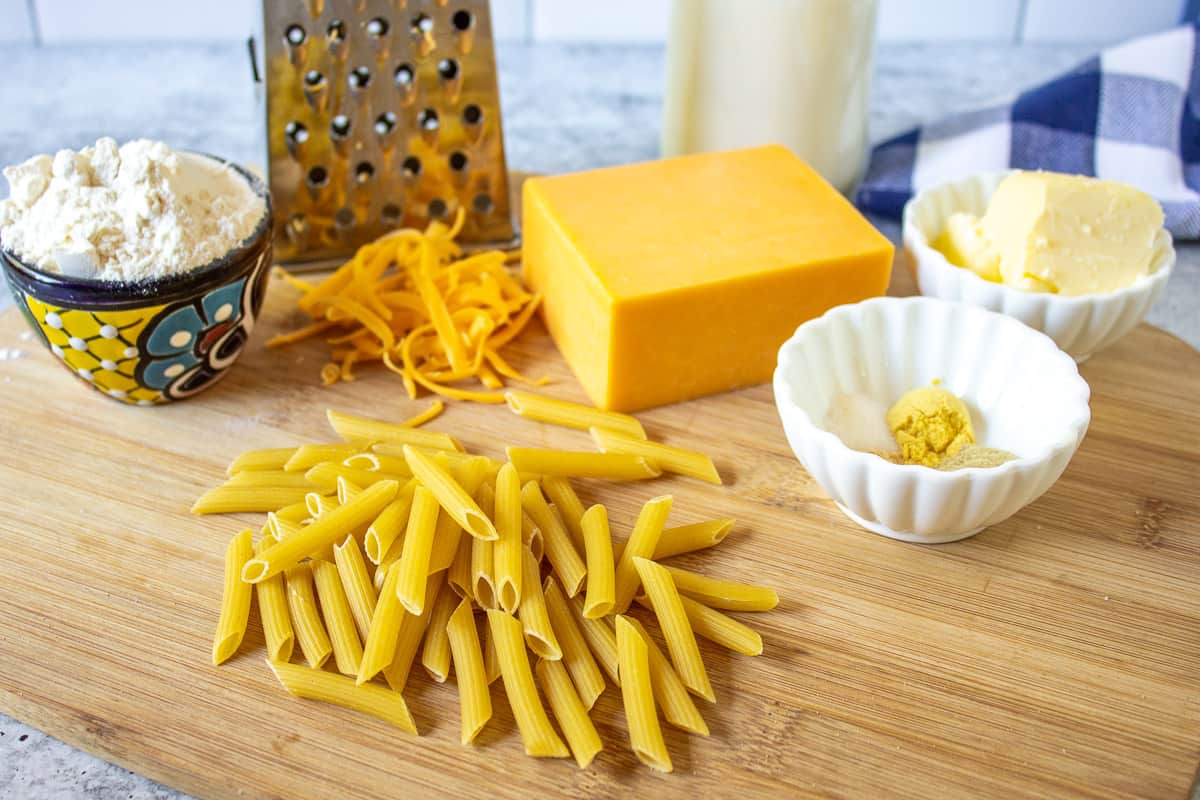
(1079, 325)
(1025, 395)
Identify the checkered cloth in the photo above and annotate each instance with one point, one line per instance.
(1130, 114)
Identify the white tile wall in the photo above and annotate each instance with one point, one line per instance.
(16, 26)
(607, 20)
(1097, 20)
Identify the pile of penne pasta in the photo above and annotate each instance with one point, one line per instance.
(387, 544)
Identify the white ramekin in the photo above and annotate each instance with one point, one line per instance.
(1025, 395)
(1079, 325)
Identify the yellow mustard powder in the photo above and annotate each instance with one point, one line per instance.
(930, 424)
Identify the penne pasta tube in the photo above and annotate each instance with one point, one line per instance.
(531, 537)
(380, 644)
(435, 656)
(677, 631)
(573, 464)
(570, 712)
(722, 594)
(559, 492)
(459, 574)
(689, 538)
(641, 544)
(325, 476)
(536, 732)
(354, 428)
(235, 598)
(347, 490)
(294, 512)
(717, 627)
(390, 524)
(319, 505)
(571, 415)
(535, 620)
(254, 460)
(454, 459)
(306, 620)
(453, 498)
(576, 647)
(568, 566)
(323, 532)
(418, 545)
(475, 704)
(281, 528)
(360, 592)
(276, 478)
(669, 692)
(273, 610)
(637, 695)
(339, 620)
(670, 459)
(446, 544)
(507, 552)
(408, 640)
(491, 664)
(316, 684)
(307, 456)
(373, 462)
(483, 587)
(601, 588)
(238, 499)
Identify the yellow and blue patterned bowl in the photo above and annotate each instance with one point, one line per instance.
(156, 341)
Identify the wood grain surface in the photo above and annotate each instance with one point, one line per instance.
(1055, 654)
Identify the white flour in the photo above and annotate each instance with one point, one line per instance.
(132, 213)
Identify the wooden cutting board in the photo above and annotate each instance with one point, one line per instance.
(1056, 654)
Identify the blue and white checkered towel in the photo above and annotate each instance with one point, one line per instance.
(1130, 114)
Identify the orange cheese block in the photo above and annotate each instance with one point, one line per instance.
(674, 279)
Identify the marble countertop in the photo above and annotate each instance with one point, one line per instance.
(566, 107)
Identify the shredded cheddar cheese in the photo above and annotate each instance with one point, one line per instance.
(413, 302)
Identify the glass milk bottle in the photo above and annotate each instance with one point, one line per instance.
(791, 72)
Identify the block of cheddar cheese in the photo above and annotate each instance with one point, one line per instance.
(673, 279)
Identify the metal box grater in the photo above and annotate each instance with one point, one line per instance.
(381, 114)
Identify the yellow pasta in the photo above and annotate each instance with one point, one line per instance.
(306, 620)
(339, 620)
(670, 459)
(722, 594)
(316, 684)
(380, 645)
(323, 532)
(374, 462)
(412, 632)
(669, 692)
(459, 574)
(677, 631)
(637, 695)
(237, 499)
(562, 554)
(354, 428)
(573, 464)
(435, 657)
(453, 498)
(280, 528)
(346, 490)
(325, 476)
(319, 505)
(235, 598)
(507, 553)
(483, 553)
(360, 592)
(491, 664)
(273, 611)
(307, 456)
(418, 544)
(531, 537)
(475, 704)
(539, 634)
(689, 538)
(446, 544)
(274, 478)
(717, 627)
(390, 524)
(641, 544)
(571, 415)
(601, 587)
(254, 460)
(293, 512)
(560, 493)
(536, 732)
(570, 712)
(576, 647)
(453, 459)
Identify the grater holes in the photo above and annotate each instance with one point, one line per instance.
(428, 119)
(313, 79)
(297, 225)
(339, 126)
(364, 171)
(472, 114)
(336, 32)
(458, 161)
(411, 167)
(390, 214)
(295, 133)
(448, 69)
(437, 208)
(482, 203)
(377, 27)
(421, 24)
(405, 75)
(462, 20)
(385, 123)
(294, 35)
(344, 217)
(359, 78)
(317, 177)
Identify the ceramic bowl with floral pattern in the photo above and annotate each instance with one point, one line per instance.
(153, 341)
